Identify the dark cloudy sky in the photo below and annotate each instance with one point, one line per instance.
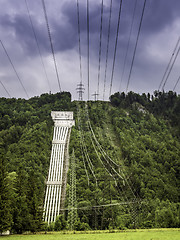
(159, 34)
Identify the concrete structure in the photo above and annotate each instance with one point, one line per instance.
(56, 181)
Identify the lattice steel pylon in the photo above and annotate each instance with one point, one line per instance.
(72, 212)
(80, 90)
(56, 181)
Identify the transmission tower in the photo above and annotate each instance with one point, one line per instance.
(72, 213)
(80, 90)
(95, 96)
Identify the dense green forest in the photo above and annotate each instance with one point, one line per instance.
(127, 154)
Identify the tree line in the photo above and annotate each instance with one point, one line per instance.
(140, 133)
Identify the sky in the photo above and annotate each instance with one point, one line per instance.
(36, 75)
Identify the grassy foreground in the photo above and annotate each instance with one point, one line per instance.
(150, 234)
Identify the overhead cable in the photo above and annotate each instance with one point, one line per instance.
(169, 63)
(79, 38)
(170, 69)
(176, 83)
(102, 205)
(107, 49)
(100, 44)
(14, 68)
(139, 30)
(84, 147)
(5, 89)
(88, 45)
(89, 122)
(104, 154)
(127, 49)
(99, 157)
(36, 40)
(51, 44)
(115, 49)
(81, 144)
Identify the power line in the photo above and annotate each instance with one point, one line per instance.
(115, 49)
(82, 152)
(169, 63)
(114, 176)
(51, 44)
(102, 205)
(127, 49)
(88, 43)
(35, 37)
(132, 63)
(107, 49)
(84, 148)
(14, 68)
(79, 34)
(99, 157)
(5, 89)
(170, 69)
(176, 83)
(133, 209)
(100, 44)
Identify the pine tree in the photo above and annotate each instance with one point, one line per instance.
(5, 205)
(35, 202)
(21, 211)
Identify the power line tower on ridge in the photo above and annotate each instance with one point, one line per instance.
(80, 90)
(95, 96)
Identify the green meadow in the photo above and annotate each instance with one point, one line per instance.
(150, 234)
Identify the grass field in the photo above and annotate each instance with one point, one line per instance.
(152, 234)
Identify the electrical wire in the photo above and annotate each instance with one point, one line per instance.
(14, 68)
(122, 193)
(88, 45)
(105, 154)
(139, 30)
(82, 142)
(176, 83)
(99, 206)
(170, 69)
(99, 146)
(100, 44)
(169, 63)
(111, 175)
(36, 40)
(127, 49)
(5, 89)
(101, 160)
(79, 40)
(115, 49)
(107, 48)
(82, 152)
(133, 208)
(51, 44)
(102, 152)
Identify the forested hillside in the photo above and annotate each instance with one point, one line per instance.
(127, 154)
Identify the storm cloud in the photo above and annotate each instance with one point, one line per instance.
(159, 33)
